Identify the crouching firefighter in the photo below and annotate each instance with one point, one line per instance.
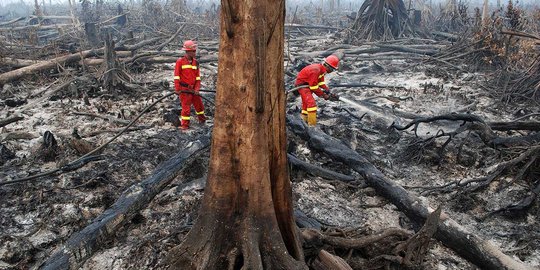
(312, 76)
(187, 82)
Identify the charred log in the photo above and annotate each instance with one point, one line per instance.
(9, 120)
(318, 171)
(45, 65)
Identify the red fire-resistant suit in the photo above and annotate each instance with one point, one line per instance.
(312, 77)
(187, 82)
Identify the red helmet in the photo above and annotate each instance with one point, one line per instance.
(332, 61)
(189, 45)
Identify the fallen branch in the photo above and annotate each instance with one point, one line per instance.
(407, 49)
(13, 21)
(301, 26)
(446, 35)
(114, 130)
(105, 117)
(17, 63)
(414, 250)
(9, 120)
(36, 27)
(520, 34)
(137, 45)
(81, 245)
(74, 165)
(365, 85)
(506, 126)
(44, 65)
(311, 235)
(451, 117)
(318, 171)
(17, 135)
(112, 18)
(160, 47)
(303, 221)
(484, 181)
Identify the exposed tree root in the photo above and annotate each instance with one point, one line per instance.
(409, 250)
(314, 236)
(326, 261)
(244, 245)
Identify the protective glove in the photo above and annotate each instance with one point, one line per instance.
(325, 96)
(333, 97)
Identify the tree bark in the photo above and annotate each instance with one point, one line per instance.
(80, 246)
(471, 247)
(246, 216)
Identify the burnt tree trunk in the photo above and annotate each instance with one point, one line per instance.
(110, 67)
(381, 20)
(246, 216)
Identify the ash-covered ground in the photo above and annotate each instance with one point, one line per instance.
(39, 215)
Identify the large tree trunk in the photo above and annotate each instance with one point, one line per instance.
(245, 220)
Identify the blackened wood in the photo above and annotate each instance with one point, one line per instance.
(318, 171)
(505, 126)
(9, 120)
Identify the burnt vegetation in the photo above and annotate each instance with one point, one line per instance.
(438, 110)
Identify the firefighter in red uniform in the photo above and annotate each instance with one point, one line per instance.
(187, 82)
(312, 77)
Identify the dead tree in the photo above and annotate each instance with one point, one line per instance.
(246, 216)
(112, 75)
(381, 20)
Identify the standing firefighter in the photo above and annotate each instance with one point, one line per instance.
(312, 77)
(187, 82)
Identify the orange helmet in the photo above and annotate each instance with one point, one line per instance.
(332, 61)
(189, 45)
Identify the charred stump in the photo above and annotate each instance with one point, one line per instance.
(381, 20)
(112, 75)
